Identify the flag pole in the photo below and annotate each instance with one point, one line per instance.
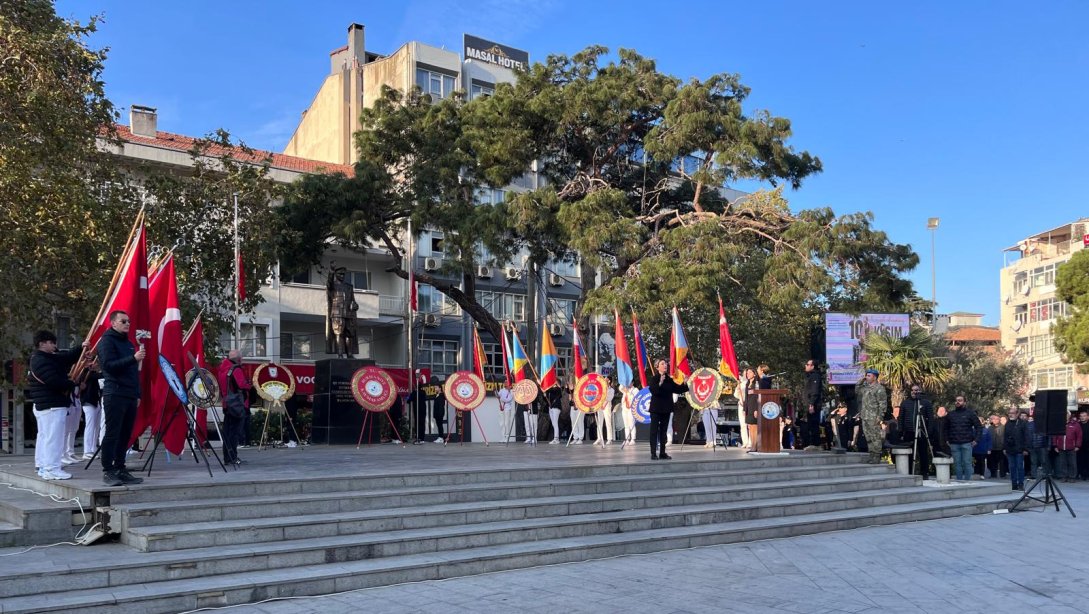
(78, 368)
(410, 345)
(237, 278)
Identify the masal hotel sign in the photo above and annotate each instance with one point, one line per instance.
(494, 53)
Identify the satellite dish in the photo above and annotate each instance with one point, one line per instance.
(1016, 325)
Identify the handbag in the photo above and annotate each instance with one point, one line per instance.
(234, 404)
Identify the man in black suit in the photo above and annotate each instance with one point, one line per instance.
(662, 389)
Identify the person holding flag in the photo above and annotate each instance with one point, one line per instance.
(120, 361)
(727, 366)
(521, 365)
(624, 378)
(550, 384)
(578, 356)
(679, 366)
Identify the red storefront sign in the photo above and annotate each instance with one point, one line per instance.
(304, 375)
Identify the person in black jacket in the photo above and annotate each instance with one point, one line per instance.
(1016, 445)
(438, 408)
(964, 428)
(662, 389)
(120, 363)
(51, 392)
(814, 388)
(916, 413)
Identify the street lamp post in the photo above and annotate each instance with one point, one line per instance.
(932, 226)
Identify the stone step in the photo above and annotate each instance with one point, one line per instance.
(563, 510)
(30, 518)
(225, 589)
(236, 484)
(180, 511)
(384, 543)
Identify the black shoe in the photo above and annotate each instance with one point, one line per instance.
(128, 478)
(665, 456)
(653, 457)
(110, 478)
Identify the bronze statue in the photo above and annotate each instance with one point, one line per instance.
(340, 331)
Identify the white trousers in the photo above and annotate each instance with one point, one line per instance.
(669, 430)
(629, 424)
(504, 423)
(49, 445)
(710, 430)
(578, 425)
(530, 421)
(92, 427)
(71, 427)
(744, 429)
(554, 416)
(605, 430)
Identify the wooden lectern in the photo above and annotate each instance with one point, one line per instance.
(769, 419)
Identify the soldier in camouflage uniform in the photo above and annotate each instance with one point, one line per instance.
(873, 403)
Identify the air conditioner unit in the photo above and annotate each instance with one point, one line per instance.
(484, 272)
(513, 273)
(555, 329)
(432, 264)
(431, 319)
(555, 280)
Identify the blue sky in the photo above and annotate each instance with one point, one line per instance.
(972, 111)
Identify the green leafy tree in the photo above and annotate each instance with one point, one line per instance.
(990, 381)
(905, 361)
(632, 162)
(1071, 332)
(65, 210)
(193, 215)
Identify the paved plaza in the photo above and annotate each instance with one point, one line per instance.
(1020, 562)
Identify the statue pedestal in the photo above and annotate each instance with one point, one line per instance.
(337, 417)
(941, 469)
(902, 455)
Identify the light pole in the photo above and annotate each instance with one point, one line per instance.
(932, 226)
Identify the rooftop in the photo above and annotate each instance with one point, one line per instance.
(179, 142)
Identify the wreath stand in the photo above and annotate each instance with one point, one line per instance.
(465, 392)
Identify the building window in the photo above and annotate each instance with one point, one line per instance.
(1021, 283)
(563, 310)
(296, 346)
(300, 278)
(437, 84)
(1058, 377)
(439, 356)
(430, 300)
(1040, 346)
(361, 280)
(476, 90)
(489, 196)
(493, 371)
(503, 306)
(255, 340)
(566, 366)
(1043, 276)
(1048, 309)
(566, 268)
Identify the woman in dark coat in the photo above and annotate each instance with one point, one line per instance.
(662, 389)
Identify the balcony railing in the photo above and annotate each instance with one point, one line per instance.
(391, 305)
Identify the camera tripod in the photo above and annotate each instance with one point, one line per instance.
(920, 428)
(1052, 495)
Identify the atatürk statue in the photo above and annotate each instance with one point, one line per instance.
(340, 330)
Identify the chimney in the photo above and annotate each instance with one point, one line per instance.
(355, 43)
(143, 120)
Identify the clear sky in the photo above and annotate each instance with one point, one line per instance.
(973, 111)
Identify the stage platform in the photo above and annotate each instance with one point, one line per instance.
(322, 519)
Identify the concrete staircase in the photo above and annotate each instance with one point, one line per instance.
(186, 547)
(29, 519)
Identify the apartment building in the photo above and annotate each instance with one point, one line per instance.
(1029, 307)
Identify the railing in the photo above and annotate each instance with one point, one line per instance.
(391, 305)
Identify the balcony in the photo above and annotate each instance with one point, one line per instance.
(391, 305)
(312, 300)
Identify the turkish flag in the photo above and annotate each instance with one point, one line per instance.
(161, 406)
(129, 292)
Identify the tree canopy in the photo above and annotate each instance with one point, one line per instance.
(631, 165)
(1072, 331)
(69, 199)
